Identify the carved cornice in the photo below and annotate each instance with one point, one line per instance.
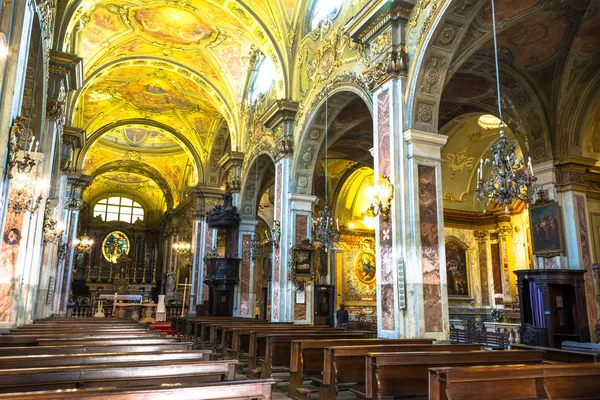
(375, 16)
(73, 136)
(280, 111)
(67, 67)
(469, 219)
(394, 65)
(231, 160)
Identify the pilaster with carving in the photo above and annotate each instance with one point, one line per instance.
(279, 118)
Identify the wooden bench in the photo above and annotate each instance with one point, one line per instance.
(344, 366)
(55, 360)
(82, 348)
(489, 339)
(583, 347)
(307, 355)
(515, 382)
(405, 374)
(249, 389)
(260, 354)
(115, 375)
(32, 339)
(239, 337)
(552, 354)
(100, 342)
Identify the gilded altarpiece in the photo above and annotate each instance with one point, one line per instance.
(357, 270)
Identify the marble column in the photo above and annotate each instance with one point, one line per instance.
(301, 218)
(247, 297)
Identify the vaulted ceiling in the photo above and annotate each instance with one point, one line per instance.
(163, 83)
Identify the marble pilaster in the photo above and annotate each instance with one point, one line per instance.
(426, 281)
(247, 296)
(301, 217)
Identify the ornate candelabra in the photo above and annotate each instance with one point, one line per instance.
(323, 229)
(510, 179)
(83, 245)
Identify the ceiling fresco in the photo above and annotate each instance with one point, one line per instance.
(467, 144)
(111, 183)
(354, 200)
(142, 149)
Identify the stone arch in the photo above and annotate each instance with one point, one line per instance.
(186, 144)
(250, 191)
(442, 55)
(311, 134)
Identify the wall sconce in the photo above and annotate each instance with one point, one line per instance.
(17, 133)
(25, 198)
(83, 244)
(52, 230)
(382, 194)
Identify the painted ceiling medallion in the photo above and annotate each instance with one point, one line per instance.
(489, 121)
(170, 24)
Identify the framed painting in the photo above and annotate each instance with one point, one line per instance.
(303, 263)
(457, 268)
(546, 229)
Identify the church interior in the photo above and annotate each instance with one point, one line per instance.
(197, 175)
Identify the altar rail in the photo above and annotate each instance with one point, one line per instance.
(513, 330)
(86, 311)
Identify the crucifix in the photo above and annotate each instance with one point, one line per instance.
(185, 286)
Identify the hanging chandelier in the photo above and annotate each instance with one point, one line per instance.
(511, 180)
(323, 226)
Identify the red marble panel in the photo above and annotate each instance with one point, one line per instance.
(301, 227)
(430, 257)
(483, 274)
(245, 278)
(586, 262)
(385, 227)
(9, 254)
(497, 274)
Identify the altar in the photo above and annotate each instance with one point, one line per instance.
(135, 298)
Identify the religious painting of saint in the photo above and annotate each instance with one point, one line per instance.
(456, 268)
(12, 236)
(545, 229)
(364, 263)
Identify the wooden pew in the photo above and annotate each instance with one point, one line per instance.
(81, 348)
(115, 375)
(32, 339)
(515, 382)
(307, 355)
(249, 389)
(552, 354)
(224, 333)
(258, 346)
(55, 360)
(240, 336)
(100, 342)
(344, 366)
(405, 374)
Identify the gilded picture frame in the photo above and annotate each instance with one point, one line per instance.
(303, 262)
(546, 229)
(457, 269)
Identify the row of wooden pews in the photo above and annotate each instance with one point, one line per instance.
(106, 358)
(326, 362)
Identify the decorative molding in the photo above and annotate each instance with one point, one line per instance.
(284, 147)
(394, 65)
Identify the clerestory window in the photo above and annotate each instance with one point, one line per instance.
(118, 209)
(324, 9)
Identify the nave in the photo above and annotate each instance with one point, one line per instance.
(238, 358)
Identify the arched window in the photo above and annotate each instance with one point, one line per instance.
(324, 9)
(263, 79)
(119, 209)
